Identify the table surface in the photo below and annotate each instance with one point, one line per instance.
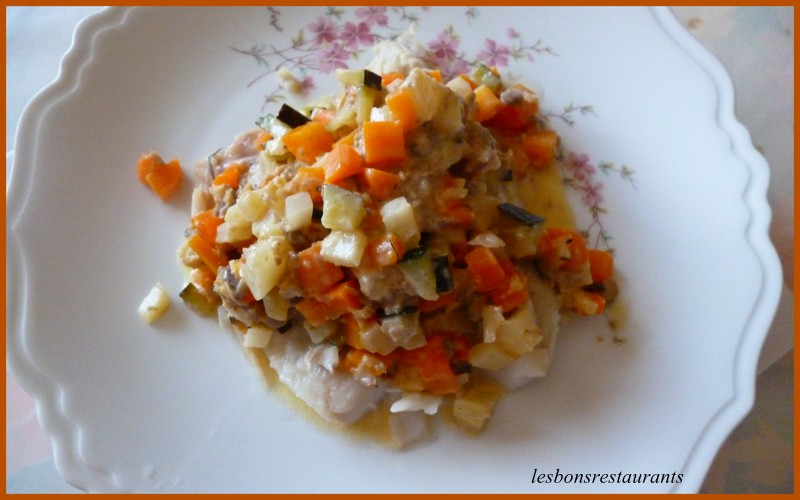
(755, 45)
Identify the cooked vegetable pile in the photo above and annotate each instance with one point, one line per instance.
(382, 233)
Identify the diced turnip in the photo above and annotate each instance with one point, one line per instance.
(344, 248)
(398, 217)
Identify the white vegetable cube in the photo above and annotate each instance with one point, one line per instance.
(519, 334)
(473, 408)
(398, 217)
(341, 209)
(257, 337)
(154, 304)
(265, 264)
(344, 248)
(489, 356)
(426, 94)
(228, 232)
(250, 207)
(298, 211)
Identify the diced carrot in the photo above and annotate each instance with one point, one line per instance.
(315, 274)
(203, 278)
(601, 265)
(514, 290)
(587, 303)
(432, 362)
(147, 164)
(343, 161)
(209, 254)
(352, 329)
(348, 139)
(315, 311)
(384, 143)
(165, 179)
(333, 303)
(488, 103)
(390, 77)
(443, 300)
(342, 297)
(540, 147)
(262, 139)
(310, 180)
(206, 224)
(457, 213)
(308, 141)
(231, 175)
(380, 183)
(401, 105)
(511, 117)
(385, 250)
(487, 273)
(361, 360)
(560, 248)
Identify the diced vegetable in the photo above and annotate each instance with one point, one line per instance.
(563, 249)
(444, 278)
(308, 141)
(402, 107)
(343, 161)
(310, 180)
(155, 303)
(432, 362)
(206, 224)
(341, 209)
(208, 253)
(198, 301)
(384, 143)
(487, 273)
(333, 303)
(540, 147)
(257, 337)
(398, 217)
(365, 101)
(344, 248)
(586, 303)
(520, 214)
(314, 273)
(484, 75)
(473, 406)
(601, 265)
(292, 117)
(489, 356)
(380, 183)
(264, 264)
(488, 104)
(418, 270)
(298, 210)
(385, 250)
(388, 78)
(163, 178)
(231, 176)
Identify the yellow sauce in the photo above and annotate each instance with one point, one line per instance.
(543, 193)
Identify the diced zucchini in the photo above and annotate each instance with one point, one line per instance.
(344, 248)
(197, 301)
(364, 103)
(155, 303)
(420, 273)
(341, 209)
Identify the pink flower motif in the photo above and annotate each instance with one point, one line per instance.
(307, 85)
(324, 30)
(454, 67)
(373, 15)
(444, 47)
(353, 34)
(580, 166)
(333, 57)
(512, 33)
(494, 54)
(592, 194)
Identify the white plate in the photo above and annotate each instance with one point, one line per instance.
(174, 406)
